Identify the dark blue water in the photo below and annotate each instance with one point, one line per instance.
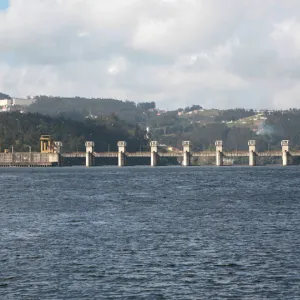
(142, 233)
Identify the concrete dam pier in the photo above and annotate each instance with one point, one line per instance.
(186, 154)
(52, 155)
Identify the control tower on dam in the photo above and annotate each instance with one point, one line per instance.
(51, 154)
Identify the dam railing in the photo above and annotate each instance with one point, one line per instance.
(184, 156)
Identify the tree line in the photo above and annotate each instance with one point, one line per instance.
(24, 130)
(75, 120)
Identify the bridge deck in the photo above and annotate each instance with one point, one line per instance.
(106, 154)
(170, 154)
(236, 153)
(204, 153)
(295, 153)
(138, 154)
(180, 154)
(269, 153)
(74, 154)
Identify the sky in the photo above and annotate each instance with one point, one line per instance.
(216, 53)
(3, 4)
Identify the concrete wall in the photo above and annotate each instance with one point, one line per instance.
(26, 158)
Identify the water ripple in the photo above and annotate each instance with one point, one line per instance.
(150, 233)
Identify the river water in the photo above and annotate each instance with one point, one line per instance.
(150, 233)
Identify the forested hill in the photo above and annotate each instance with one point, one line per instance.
(23, 130)
(109, 120)
(4, 96)
(78, 108)
(267, 128)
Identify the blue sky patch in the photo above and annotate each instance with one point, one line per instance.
(4, 4)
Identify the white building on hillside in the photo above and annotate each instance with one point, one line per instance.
(22, 101)
(5, 102)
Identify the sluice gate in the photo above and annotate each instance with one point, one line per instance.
(52, 155)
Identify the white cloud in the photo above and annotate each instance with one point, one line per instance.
(117, 65)
(287, 33)
(175, 52)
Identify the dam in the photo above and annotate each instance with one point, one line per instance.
(51, 154)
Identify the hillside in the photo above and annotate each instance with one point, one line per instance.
(234, 127)
(201, 126)
(79, 108)
(23, 130)
(4, 96)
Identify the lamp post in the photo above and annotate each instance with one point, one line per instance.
(29, 152)
(29, 148)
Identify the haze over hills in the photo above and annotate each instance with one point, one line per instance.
(74, 120)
